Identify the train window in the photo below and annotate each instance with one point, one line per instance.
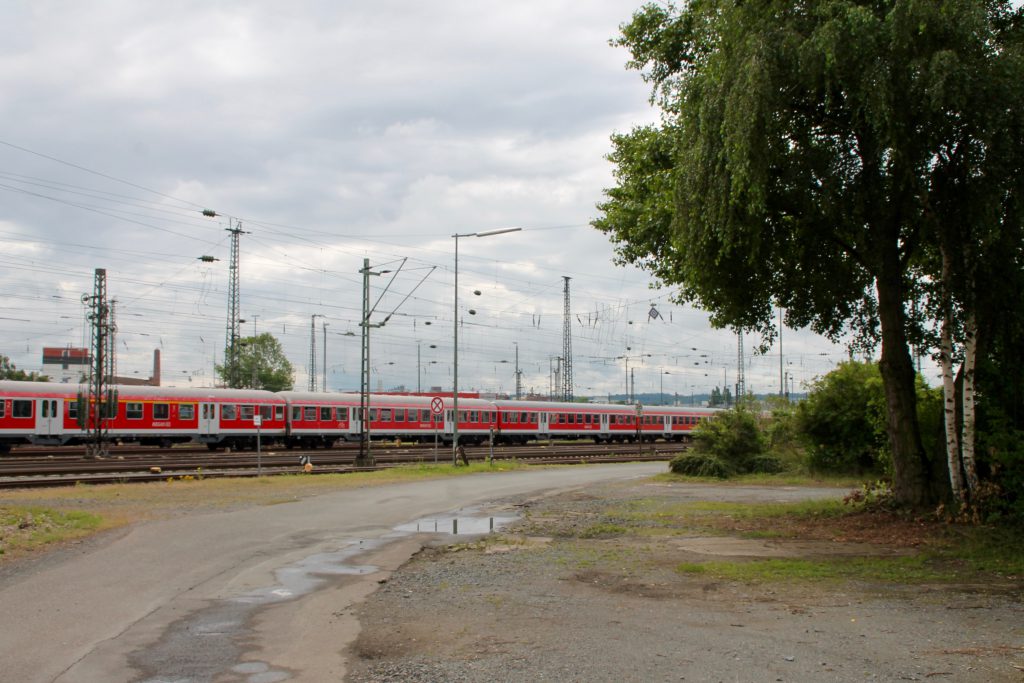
(462, 416)
(309, 414)
(3, 407)
(278, 412)
(474, 416)
(571, 418)
(373, 414)
(296, 413)
(342, 414)
(133, 411)
(326, 413)
(533, 418)
(228, 411)
(561, 418)
(266, 413)
(72, 409)
(21, 408)
(187, 411)
(400, 415)
(424, 416)
(161, 411)
(513, 418)
(385, 415)
(247, 413)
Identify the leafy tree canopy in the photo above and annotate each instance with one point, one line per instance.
(809, 156)
(9, 371)
(261, 365)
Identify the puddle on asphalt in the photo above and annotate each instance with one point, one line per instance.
(456, 525)
(310, 573)
(201, 646)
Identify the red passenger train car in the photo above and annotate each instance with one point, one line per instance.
(49, 414)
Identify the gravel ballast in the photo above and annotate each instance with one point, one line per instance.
(567, 595)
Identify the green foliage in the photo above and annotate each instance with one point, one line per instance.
(261, 365)
(1001, 445)
(816, 156)
(9, 371)
(701, 465)
(843, 421)
(734, 437)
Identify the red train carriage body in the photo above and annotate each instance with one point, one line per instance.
(319, 419)
(44, 413)
(524, 420)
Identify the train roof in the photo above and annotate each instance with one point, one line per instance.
(377, 400)
(56, 390)
(511, 404)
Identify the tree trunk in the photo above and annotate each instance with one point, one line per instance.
(967, 441)
(911, 470)
(956, 480)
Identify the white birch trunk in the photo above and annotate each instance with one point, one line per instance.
(956, 481)
(967, 439)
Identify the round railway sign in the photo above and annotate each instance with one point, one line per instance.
(436, 406)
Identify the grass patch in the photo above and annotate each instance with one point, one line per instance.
(905, 569)
(991, 550)
(786, 478)
(27, 528)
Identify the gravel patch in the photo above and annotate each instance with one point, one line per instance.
(550, 600)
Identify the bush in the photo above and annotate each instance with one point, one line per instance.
(766, 464)
(734, 436)
(843, 420)
(700, 465)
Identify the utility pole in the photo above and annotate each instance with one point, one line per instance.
(365, 458)
(519, 374)
(233, 330)
(94, 409)
(782, 385)
(312, 351)
(324, 387)
(111, 361)
(567, 392)
(741, 389)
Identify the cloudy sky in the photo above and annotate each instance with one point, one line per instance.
(337, 132)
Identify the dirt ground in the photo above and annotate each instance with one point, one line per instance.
(580, 589)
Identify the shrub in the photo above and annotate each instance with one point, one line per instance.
(734, 437)
(843, 420)
(766, 464)
(700, 465)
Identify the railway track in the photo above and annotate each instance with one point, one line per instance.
(140, 465)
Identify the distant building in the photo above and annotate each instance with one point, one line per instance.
(69, 365)
(66, 364)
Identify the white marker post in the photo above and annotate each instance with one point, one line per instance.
(257, 420)
(436, 408)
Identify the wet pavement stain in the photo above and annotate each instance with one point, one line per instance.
(206, 644)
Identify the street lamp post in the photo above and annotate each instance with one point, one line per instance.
(455, 340)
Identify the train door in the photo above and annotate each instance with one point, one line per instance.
(355, 425)
(207, 418)
(604, 424)
(542, 423)
(449, 423)
(50, 413)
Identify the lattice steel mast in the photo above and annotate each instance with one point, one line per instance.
(233, 331)
(94, 408)
(567, 392)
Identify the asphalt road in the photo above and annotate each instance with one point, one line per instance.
(257, 595)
